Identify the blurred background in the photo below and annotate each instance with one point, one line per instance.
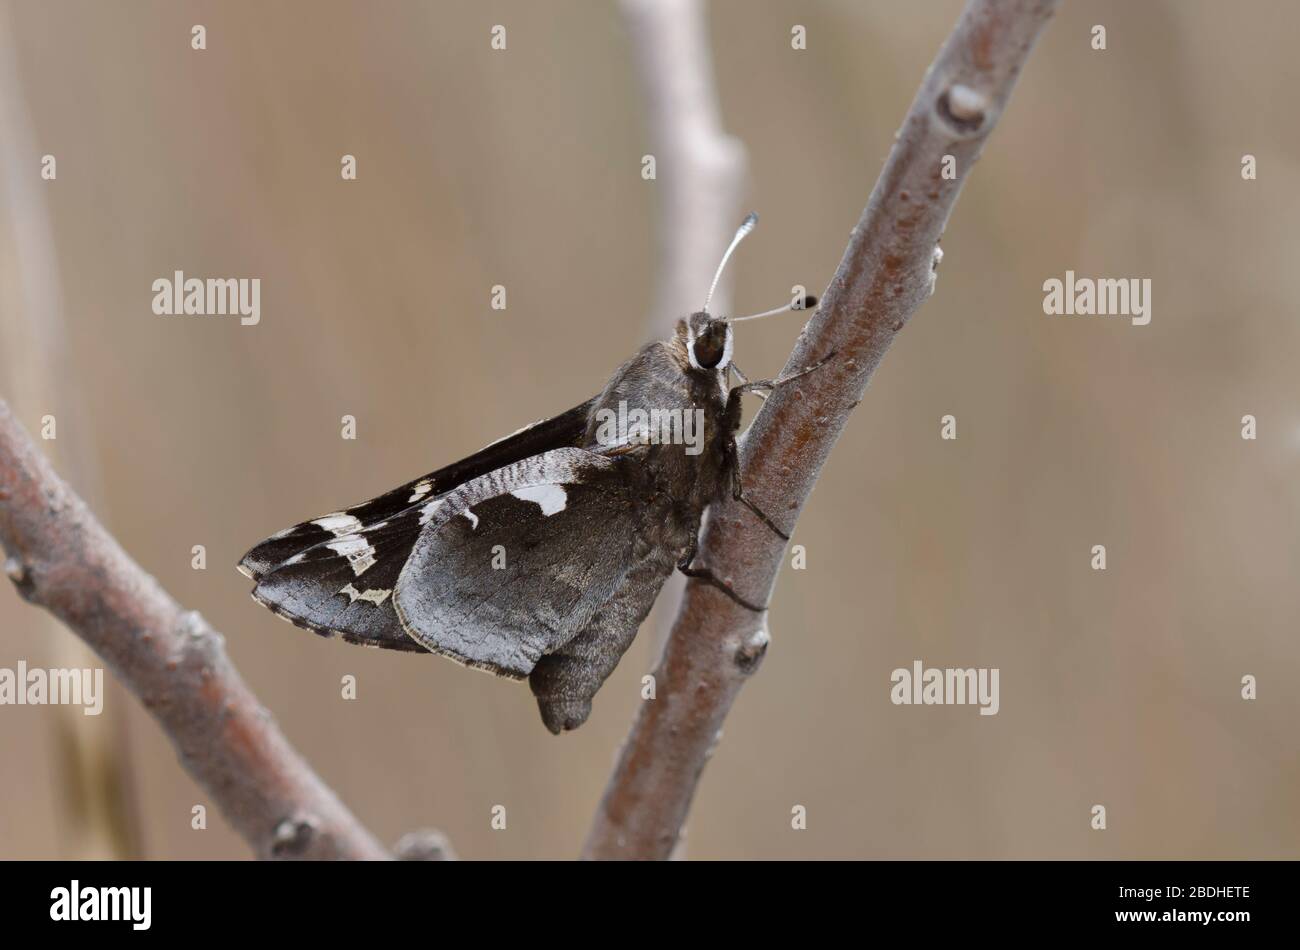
(523, 169)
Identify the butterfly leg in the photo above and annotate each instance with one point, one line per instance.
(733, 410)
(745, 379)
(759, 386)
(739, 496)
(737, 488)
(706, 575)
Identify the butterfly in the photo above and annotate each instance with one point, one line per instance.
(539, 556)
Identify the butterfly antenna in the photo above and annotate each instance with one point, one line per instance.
(803, 303)
(746, 226)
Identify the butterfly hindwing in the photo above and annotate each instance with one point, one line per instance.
(563, 430)
(514, 564)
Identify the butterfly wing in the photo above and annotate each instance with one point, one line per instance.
(514, 564)
(495, 573)
(563, 430)
(344, 586)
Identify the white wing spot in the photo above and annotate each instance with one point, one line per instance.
(428, 511)
(419, 491)
(358, 551)
(471, 517)
(372, 595)
(550, 498)
(338, 524)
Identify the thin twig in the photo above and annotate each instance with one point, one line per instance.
(60, 558)
(699, 168)
(886, 273)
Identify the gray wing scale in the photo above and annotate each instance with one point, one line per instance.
(514, 564)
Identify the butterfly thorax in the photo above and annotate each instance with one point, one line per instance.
(669, 417)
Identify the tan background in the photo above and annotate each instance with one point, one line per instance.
(522, 169)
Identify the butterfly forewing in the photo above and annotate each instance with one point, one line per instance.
(565, 429)
(345, 586)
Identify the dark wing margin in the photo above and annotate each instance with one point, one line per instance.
(344, 586)
(514, 564)
(559, 431)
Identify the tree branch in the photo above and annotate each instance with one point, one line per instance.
(886, 273)
(61, 558)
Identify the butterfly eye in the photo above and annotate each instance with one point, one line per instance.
(709, 347)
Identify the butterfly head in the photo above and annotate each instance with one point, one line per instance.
(707, 338)
(708, 341)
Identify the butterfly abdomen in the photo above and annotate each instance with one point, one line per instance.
(565, 680)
